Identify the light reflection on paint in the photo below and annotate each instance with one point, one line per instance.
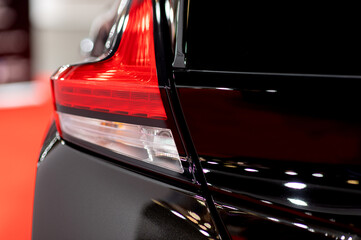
(178, 214)
(273, 219)
(192, 219)
(295, 185)
(204, 232)
(297, 202)
(203, 227)
(212, 162)
(301, 225)
(227, 89)
(319, 175)
(271, 91)
(208, 225)
(354, 182)
(229, 207)
(251, 170)
(206, 170)
(194, 215)
(292, 173)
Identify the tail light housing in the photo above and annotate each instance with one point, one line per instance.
(116, 103)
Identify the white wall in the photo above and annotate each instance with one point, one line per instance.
(58, 26)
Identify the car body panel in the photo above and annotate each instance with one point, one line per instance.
(79, 196)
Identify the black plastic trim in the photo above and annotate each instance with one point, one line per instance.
(112, 117)
(235, 80)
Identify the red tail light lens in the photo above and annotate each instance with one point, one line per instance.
(124, 84)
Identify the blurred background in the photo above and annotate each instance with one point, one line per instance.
(36, 37)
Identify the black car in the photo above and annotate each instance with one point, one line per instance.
(208, 120)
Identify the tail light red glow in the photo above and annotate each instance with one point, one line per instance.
(124, 84)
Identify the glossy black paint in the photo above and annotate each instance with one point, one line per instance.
(250, 220)
(296, 118)
(330, 194)
(262, 136)
(79, 196)
(290, 37)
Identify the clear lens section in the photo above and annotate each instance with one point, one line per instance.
(149, 144)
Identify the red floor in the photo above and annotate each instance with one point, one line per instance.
(22, 130)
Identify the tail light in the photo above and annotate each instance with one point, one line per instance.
(116, 103)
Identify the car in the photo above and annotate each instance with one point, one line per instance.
(207, 120)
